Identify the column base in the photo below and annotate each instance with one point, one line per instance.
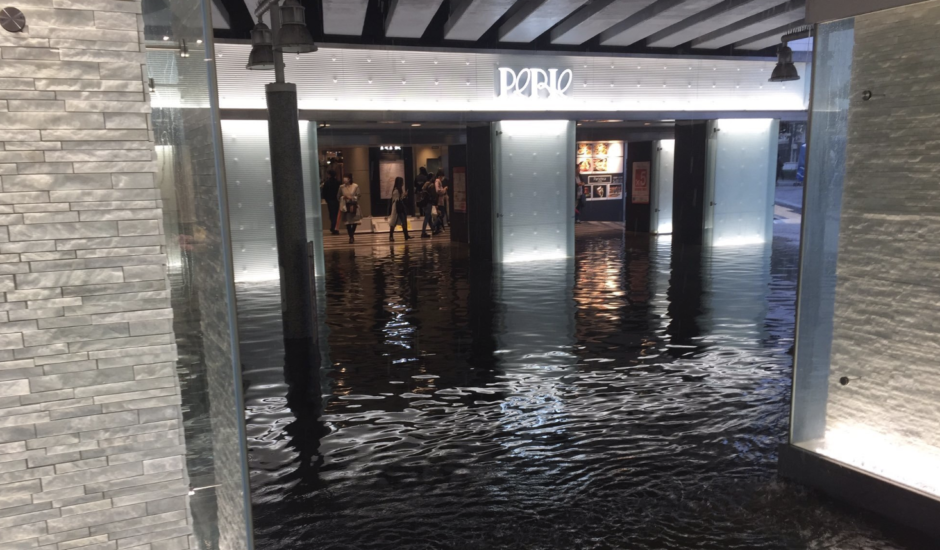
(903, 506)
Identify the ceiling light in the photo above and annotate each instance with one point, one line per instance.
(785, 71)
(416, 124)
(293, 36)
(261, 57)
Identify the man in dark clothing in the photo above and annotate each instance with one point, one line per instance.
(329, 191)
(421, 180)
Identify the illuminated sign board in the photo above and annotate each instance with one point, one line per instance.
(534, 83)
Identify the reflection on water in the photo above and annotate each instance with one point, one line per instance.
(632, 398)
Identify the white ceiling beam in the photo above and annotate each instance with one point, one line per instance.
(345, 17)
(784, 14)
(595, 18)
(711, 19)
(470, 19)
(652, 19)
(535, 18)
(410, 18)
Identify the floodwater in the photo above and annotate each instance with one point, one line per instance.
(633, 398)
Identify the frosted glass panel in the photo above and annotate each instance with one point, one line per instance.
(534, 190)
(664, 156)
(821, 216)
(250, 195)
(741, 179)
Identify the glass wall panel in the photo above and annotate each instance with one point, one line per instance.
(664, 156)
(534, 190)
(740, 181)
(251, 199)
(190, 176)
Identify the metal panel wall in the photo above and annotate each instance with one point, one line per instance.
(406, 80)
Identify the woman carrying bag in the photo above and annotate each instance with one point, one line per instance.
(349, 206)
(398, 215)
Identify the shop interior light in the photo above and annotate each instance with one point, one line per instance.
(261, 57)
(293, 36)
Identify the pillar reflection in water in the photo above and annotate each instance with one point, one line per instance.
(536, 349)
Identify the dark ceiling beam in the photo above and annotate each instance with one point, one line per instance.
(240, 20)
(652, 19)
(706, 21)
(767, 39)
(790, 12)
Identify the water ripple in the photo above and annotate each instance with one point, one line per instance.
(633, 399)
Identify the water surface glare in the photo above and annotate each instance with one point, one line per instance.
(633, 398)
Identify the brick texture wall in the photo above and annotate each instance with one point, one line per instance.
(91, 444)
(887, 319)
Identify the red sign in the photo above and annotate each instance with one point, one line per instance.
(641, 183)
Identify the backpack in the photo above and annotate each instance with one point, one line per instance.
(424, 195)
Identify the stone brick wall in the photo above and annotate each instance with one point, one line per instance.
(91, 447)
(887, 319)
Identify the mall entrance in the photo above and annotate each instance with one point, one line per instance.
(512, 190)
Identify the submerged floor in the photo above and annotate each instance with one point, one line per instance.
(631, 399)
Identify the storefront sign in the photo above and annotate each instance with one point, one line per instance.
(460, 189)
(533, 82)
(641, 183)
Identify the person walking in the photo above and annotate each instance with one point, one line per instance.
(444, 209)
(579, 197)
(440, 191)
(399, 214)
(329, 190)
(348, 197)
(427, 199)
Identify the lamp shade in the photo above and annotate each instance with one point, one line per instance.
(262, 52)
(785, 71)
(293, 36)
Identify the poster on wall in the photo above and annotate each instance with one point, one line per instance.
(641, 183)
(599, 188)
(600, 157)
(460, 189)
(388, 171)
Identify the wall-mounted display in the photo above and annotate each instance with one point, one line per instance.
(460, 189)
(388, 171)
(602, 187)
(600, 157)
(641, 183)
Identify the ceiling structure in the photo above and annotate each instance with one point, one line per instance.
(688, 27)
